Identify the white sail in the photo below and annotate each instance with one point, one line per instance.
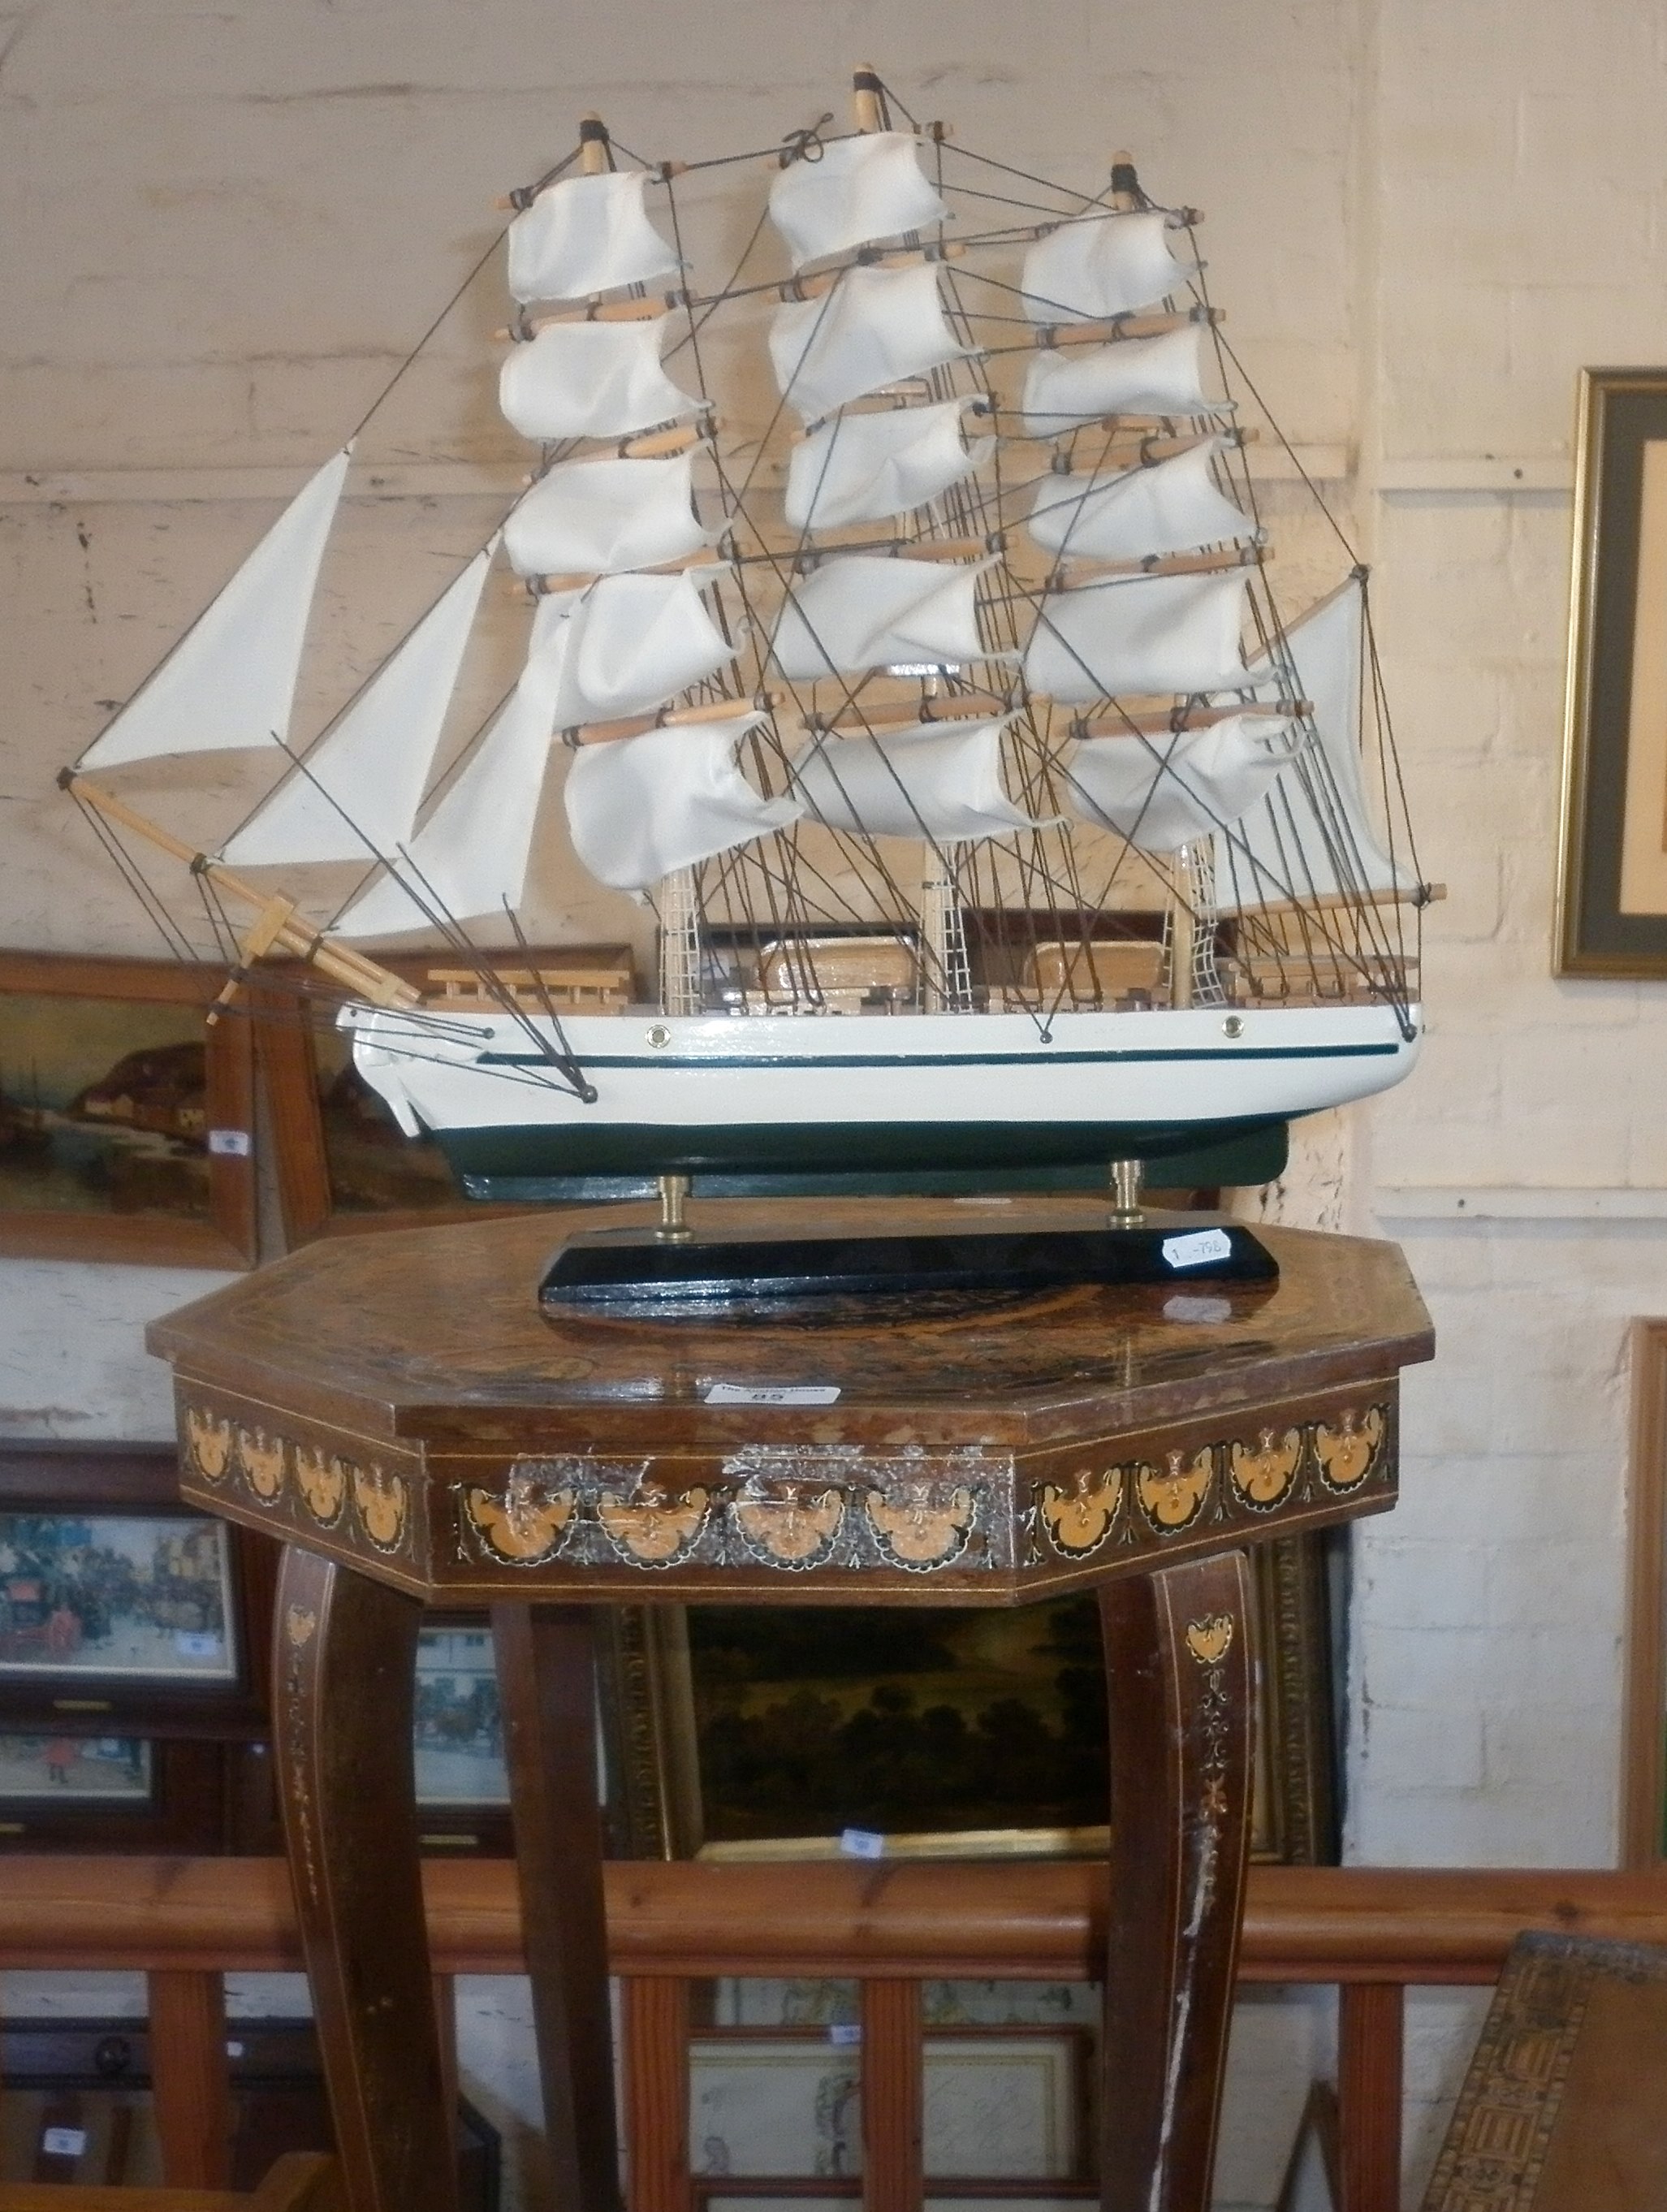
(591, 380)
(856, 191)
(1162, 793)
(861, 468)
(586, 234)
(1071, 385)
(940, 780)
(230, 682)
(1315, 836)
(469, 858)
(1110, 265)
(640, 807)
(596, 518)
(875, 327)
(362, 784)
(1140, 636)
(1165, 508)
(864, 610)
(621, 646)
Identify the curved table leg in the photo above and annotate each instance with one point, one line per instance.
(1180, 1668)
(547, 1683)
(343, 1678)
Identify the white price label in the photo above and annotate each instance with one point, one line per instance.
(771, 1393)
(845, 2032)
(230, 1144)
(862, 1844)
(1197, 1248)
(64, 2143)
(197, 1643)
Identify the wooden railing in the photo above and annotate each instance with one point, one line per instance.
(187, 1922)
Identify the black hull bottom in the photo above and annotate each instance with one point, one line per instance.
(541, 1165)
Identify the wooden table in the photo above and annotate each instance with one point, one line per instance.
(395, 1410)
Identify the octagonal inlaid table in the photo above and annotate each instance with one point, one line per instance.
(395, 1408)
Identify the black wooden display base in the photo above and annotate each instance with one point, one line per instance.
(643, 1269)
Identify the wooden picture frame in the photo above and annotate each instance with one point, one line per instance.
(69, 1131)
(125, 1483)
(666, 1712)
(189, 1803)
(349, 1169)
(1612, 880)
(1644, 1738)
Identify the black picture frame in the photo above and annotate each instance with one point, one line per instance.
(1612, 879)
(137, 1482)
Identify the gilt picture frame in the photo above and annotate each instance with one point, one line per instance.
(126, 1116)
(1612, 878)
(885, 1737)
(342, 1162)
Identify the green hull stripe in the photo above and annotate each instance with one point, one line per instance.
(1043, 1058)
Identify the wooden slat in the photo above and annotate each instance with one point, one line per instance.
(1368, 2070)
(191, 2089)
(899, 1918)
(893, 2095)
(654, 2024)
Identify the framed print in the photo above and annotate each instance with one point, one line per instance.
(66, 1790)
(127, 1117)
(462, 1783)
(1612, 883)
(122, 1613)
(343, 1162)
(1644, 1741)
(958, 1732)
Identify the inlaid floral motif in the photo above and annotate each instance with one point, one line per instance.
(651, 1527)
(321, 1479)
(1263, 1472)
(1173, 1499)
(379, 1499)
(917, 1526)
(1210, 1640)
(208, 1445)
(794, 1531)
(261, 1458)
(526, 1524)
(1349, 1452)
(1079, 1517)
(299, 1624)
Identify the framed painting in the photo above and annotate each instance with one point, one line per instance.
(1612, 882)
(68, 1792)
(797, 1731)
(343, 1162)
(123, 1613)
(1644, 1759)
(127, 1117)
(462, 1783)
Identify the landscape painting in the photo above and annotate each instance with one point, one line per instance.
(372, 1167)
(96, 1769)
(459, 1724)
(813, 1721)
(103, 1106)
(143, 1597)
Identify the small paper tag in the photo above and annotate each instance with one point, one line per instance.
(1197, 1247)
(234, 2051)
(1181, 1307)
(64, 2143)
(197, 1643)
(771, 1393)
(845, 2032)
(862, 1844)
(230, 1144)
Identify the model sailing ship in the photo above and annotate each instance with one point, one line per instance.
(990, 812)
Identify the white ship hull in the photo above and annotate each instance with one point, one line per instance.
(823, 1093)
